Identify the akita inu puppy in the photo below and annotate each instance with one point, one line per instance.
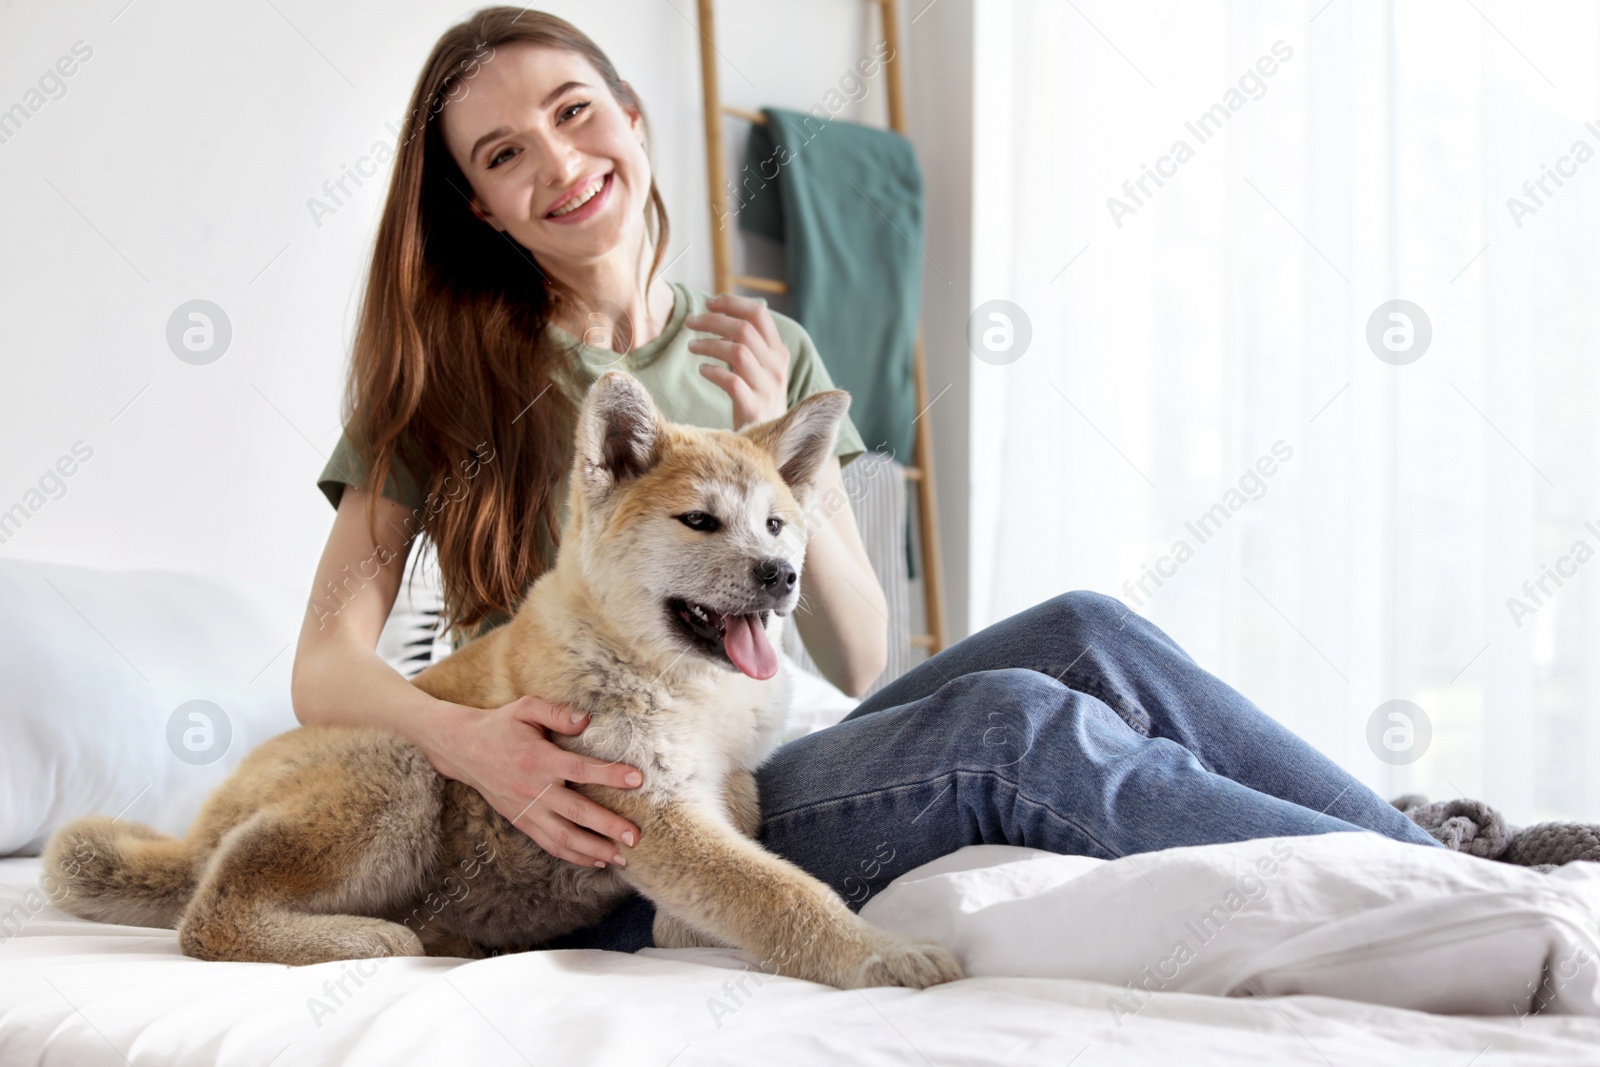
(680, 556)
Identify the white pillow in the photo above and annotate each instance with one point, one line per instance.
(814, 703)
(100, 670)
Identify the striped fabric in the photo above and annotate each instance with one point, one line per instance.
(412, 636)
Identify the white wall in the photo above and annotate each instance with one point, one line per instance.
(177, 164)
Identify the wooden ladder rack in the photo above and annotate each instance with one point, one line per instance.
(921, 473)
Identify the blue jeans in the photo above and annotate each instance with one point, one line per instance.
(1075, 726)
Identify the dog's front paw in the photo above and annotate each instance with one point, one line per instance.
(914, 964)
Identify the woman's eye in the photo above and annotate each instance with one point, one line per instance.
(699, 520)
(774, 526)
(498, 156)
(566, 111)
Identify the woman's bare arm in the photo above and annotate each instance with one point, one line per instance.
(338, 677)
(503, 753)
(844, 616)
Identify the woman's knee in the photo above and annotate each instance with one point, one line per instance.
(1085, 610)
(1002, 685)
(996, 708)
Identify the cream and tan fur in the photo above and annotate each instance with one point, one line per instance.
(331, 843)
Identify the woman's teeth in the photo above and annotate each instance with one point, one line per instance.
(582, 198)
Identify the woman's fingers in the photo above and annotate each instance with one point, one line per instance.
(730, 383)
(575, 766)
(561, 821)
(752, 309)
(577, 808)
(560, 814)
(516, 766)
(557, 717)
(578, 768)
(739, 331)
(572, 806)
(757, 372)
(740, 359)
(565, 840)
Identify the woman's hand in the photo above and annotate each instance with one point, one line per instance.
(506, 754)
(757, 371)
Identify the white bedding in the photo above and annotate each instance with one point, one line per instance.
(1049, 942)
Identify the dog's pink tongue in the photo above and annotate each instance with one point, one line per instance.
(745, 641)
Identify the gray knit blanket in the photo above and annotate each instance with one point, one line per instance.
(1473, 827)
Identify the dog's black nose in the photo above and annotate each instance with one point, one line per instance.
(776, 574)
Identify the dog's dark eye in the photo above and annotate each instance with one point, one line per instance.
(699, 520)
(774, 526)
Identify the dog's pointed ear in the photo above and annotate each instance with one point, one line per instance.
(803, 438)
(619, 433)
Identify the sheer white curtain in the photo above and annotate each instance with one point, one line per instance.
(1352, 154)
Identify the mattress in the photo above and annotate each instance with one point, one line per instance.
(1070, 961)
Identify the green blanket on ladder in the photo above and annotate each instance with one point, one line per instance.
(848, 209)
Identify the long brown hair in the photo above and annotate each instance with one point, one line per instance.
(451, 355)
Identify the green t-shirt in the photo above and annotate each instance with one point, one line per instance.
(665, 366)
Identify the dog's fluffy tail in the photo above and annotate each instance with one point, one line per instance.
(119, 872)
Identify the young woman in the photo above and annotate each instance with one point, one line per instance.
(516, 260)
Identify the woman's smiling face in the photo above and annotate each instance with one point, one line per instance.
(536, 132)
